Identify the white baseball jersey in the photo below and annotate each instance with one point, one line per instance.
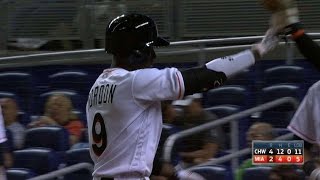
(3, 136)
(125, 121)
(306, 120)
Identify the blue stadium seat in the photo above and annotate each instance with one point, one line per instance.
(56, 138)
(78, 156)
(244, 78)
(6, 94)
(39, 160)
(70, 80)
(75, 156)
(228, 95)
(284, 74)
(259, 172)
(280, 131)
(19, 174)
(19, 83)
(223, 110)
(278, 119)
(208, 172)
(274, 92)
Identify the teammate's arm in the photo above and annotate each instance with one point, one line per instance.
(285, 16)
(217, 71)
(309, 48)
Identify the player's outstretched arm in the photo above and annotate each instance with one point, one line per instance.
(217, 71)
(285, 16)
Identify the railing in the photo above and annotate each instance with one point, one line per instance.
(99, 56)
(240, 153)
(169, 143)
(64, 171)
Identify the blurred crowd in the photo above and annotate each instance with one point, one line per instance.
(177, 116)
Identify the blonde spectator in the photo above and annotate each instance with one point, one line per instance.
(58, 112)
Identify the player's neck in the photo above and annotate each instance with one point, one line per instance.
(131, 67)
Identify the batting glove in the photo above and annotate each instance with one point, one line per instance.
(268, 43)
(285, 15)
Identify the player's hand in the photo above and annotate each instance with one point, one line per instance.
(268, 43)
(284, 12)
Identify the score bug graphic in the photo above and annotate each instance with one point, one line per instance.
(277, 152)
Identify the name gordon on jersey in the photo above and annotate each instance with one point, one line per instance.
(101, 94)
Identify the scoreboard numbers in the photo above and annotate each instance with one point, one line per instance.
(277, 152)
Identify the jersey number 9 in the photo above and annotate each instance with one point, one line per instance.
(99, 135)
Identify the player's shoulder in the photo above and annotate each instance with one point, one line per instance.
(155, 71)
(315, 88)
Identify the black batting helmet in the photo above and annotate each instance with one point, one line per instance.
(132, 32)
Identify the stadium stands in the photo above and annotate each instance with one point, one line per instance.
(236, 96)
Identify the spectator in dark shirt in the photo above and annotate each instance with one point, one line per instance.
(200, 147)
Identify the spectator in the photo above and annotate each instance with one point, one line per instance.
(284, 172)
(257, 131)
(11, 120)
(199, 147)
(167, 171)
(58, 112)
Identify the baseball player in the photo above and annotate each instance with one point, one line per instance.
(305, 122)
(124, 103)
(285, 17)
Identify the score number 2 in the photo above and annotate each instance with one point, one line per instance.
(99, 137)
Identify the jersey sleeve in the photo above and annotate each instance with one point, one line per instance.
(306, 119)
(157, 85)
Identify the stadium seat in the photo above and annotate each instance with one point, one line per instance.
(274, 92)
(244, 78)
(19, 174)
(223, 110)
(70, 80)
(228, 95)
(75, 156)
(78, 156)
(19, 83)
(39, 160)
(6, 94)
(208, 172)
(284, 74)
(280, 131)
(56, 138)
(278, 119)
(259, 172)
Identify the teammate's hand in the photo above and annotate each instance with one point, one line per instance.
(284, 12)
(268, 43)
